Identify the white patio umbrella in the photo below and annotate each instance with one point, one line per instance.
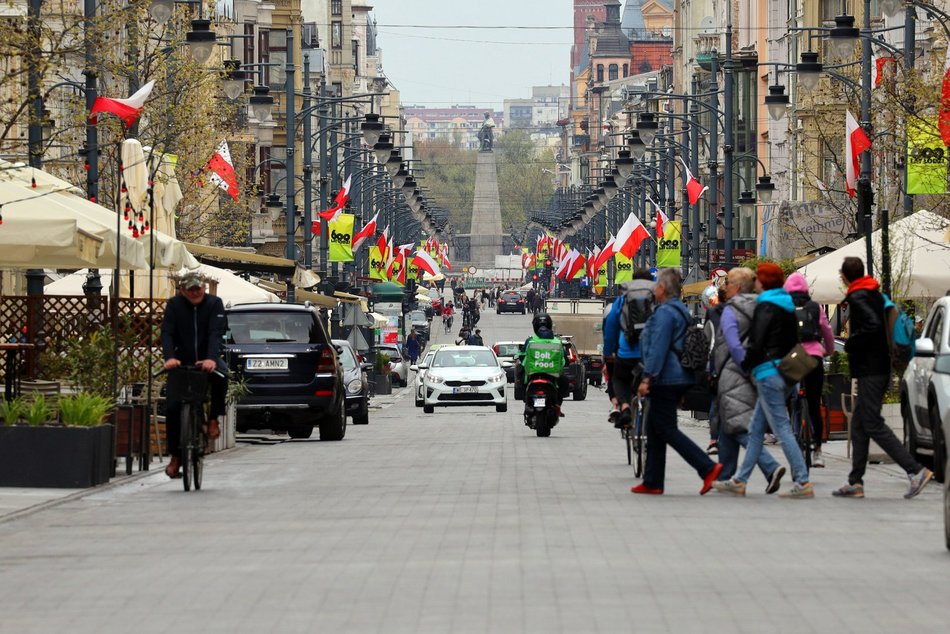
(920, 260)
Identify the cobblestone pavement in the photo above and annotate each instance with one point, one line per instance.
(464, 521)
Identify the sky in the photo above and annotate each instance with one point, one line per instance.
(439, 67)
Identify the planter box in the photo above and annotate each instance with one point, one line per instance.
(55, 457)
(383, 383)
(892, 416)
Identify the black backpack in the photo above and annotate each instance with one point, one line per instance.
(808, 318)
(694, 354)
(638, 306)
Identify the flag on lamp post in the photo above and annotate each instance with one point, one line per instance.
(222, 171)
(943, 120)
(365, 233)
(427, 263)
(631, 234)
(338, 203)
(694, 189)
(126, 109)
(855, 141)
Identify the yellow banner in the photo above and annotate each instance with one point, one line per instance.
(341, 238)
(624, 272)
(376, 272)
(602, 275)
(668, 247)
(926, 159)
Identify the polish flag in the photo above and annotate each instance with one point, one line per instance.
(444, 256)
(855, 141)
(223, 171)
(399, 259)
(339, 203)
(694, 189)
(606, 253)
(383, 245)
(426, 263)
(661, 221)
(564, 263)
(576, 266)
(631, 234)
(126, 109)
(880, 61)
(943, 121)
(364, 234)
(592, 259)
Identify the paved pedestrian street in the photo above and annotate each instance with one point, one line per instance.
(464, 521)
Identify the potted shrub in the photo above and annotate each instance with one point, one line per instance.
(75, 452)
(381, 377)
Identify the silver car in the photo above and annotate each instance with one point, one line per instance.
(398, 362)
(464, 375)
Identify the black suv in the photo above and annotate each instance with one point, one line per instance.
(510, 302)
(292, 371)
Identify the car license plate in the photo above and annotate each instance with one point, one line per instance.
(540, 402)
(465, 389)
(266, 364)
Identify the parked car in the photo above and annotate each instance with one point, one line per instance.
(925, 391)
(508, 351)
(398, 362)
(291, 369)
(464, 375)
(420, 372)
(510, 302)
(417, 319)
(354, 382)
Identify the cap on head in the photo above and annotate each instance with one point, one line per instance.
(191, 279)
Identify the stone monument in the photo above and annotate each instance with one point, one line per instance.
(485, 237)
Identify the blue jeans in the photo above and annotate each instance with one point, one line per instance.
(662, 431)
(770, 413)
(729, 455)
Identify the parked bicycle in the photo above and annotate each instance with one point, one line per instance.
(801, 424)
(189, 387)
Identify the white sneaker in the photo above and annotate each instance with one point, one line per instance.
(817, 461)
(770, 439)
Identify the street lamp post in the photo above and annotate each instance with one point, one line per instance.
(289, 248)
(307, 169)
(729, 140)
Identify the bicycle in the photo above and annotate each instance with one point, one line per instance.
(447, 323)
(190, 386)
(634, 436)
(801, 424)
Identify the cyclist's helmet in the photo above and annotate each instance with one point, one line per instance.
(542, 320)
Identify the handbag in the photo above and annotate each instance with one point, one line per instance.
(797, 363)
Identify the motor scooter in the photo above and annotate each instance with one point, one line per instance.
(541, 411)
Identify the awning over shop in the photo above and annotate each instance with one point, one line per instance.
(246, 261)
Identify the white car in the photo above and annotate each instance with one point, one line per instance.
(398, 362)
(464, 375)
(421, 372)
(925, 391)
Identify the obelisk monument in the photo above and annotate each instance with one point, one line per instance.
(485, 234)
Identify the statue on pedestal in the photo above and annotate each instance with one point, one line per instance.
(486, 135)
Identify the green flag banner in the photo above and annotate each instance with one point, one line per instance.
(926, 159)
(624, 271)
(341, 237)
(668, 247)
(375, 265)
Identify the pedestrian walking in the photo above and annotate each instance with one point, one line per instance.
(714, 300)
(665, 380)
(622, 340)
(870, 362)
(413, 346)
(475, 339)
(772, 335)
(818, 341)
(735, 394)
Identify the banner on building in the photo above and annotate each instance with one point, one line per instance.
(668, 247)
(376, 269)
(926, 159)
(341, 237)
(624, 272)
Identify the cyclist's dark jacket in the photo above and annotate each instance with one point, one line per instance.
(193, 333)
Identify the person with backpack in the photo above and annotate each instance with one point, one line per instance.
(773, 334)
(735, 393)
(819, 342)
(869, 357)
(669, 350)
(623, 326)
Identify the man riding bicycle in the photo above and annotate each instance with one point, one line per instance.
(447, 316)
(192, 332)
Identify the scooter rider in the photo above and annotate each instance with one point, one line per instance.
(543, 354)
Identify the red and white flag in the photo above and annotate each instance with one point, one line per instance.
(339, 203)
(383, 245)
(593, 258)
(661, 219)
(222, 171)
(943, 121)
(880, 62)
(444, 256)
(694, 189)
(565, 263)
(368, 230)
(426, 263)
(606, 253)
(576, 266)
(126, 109)
(631, 234)
(855, 142)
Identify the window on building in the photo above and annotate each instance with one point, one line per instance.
(278, 170)
(600, 73)
(829, 9)
(336, 34)
(337, 89)
(264, 179)
(612, 72)
(277, 54)
(626, 70)
(336, 7)
(356, 57)
(248, 53)
(263, 54)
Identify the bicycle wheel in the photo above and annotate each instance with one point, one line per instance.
(639, 438)
(805, 441)
(186, 445)
(628, 441)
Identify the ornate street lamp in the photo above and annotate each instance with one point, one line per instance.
(637, 147)
(889, 8)
(809, 70)
(843, 37)
(776, 101)
(234, 79)
(383, 148)
(372, 129)
(201, 40)
(647, 126)
(624, 164)
(764, 189)
(161, 10)
(261, 103)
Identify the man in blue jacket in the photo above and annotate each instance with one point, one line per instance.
(665, 380)
(625, 375)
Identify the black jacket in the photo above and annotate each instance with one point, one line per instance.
(866, 346)
(772, 334)
(193, 333)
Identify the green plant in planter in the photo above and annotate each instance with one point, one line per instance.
(39, 411)
(381, 364)
(838, 364)
(84, 409)
(237, 389)
(12, 410)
